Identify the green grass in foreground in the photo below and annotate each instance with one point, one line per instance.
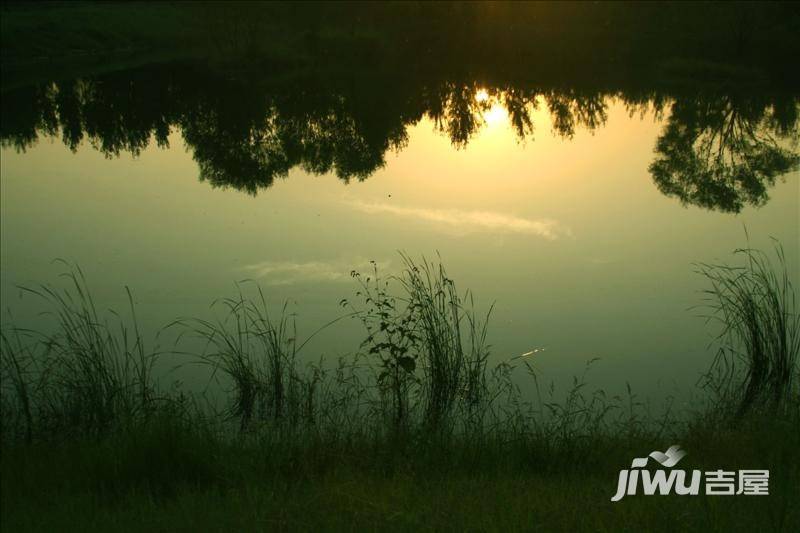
(167, 482)
(413, 432)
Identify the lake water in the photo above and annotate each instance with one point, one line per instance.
(548, 202)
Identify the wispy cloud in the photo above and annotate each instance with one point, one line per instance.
(291, 272)
(601, 260)
(466, 221)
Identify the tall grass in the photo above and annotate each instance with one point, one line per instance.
(417, 406)
(257, 354)
(755, 305)
(421, 373)
(428, 341)
(452, 341)
(91, 374)
(15, 362)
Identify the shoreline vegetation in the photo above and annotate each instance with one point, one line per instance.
(407, 432)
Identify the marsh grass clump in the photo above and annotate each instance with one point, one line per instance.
(428, 341)
(420, 383)
(90, 374)
(755, 306)
(453, 341)
(259, 356)
(415, 413)
(16, 360)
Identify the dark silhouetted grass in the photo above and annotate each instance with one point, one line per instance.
(90, 443)
(760, 335)
(428, 342)
(257, 354)
(92, 374)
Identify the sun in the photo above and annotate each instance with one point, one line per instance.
(495, 115)
(493, 111)
(482, 95)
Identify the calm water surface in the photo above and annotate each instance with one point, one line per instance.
(569, 233)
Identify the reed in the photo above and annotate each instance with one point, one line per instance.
(83, 418)
(452, 338)
(15, 362)
(257, 354)
(421, 374)
(91, 374)
(754, 304)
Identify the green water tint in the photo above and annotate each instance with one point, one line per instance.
(577, 211)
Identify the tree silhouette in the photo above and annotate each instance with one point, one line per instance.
(723, 153)
(717, 150)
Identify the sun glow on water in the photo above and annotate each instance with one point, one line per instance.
(495, 115)
(494, 112)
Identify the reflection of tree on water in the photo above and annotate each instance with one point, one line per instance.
(715, 151)
(114, 115)
(570, 109)
(722, 154)
(235, 147)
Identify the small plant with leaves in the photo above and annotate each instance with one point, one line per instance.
(392, 338)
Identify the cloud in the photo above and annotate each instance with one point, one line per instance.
(466, 221)
(601, 260)
(290, 272)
